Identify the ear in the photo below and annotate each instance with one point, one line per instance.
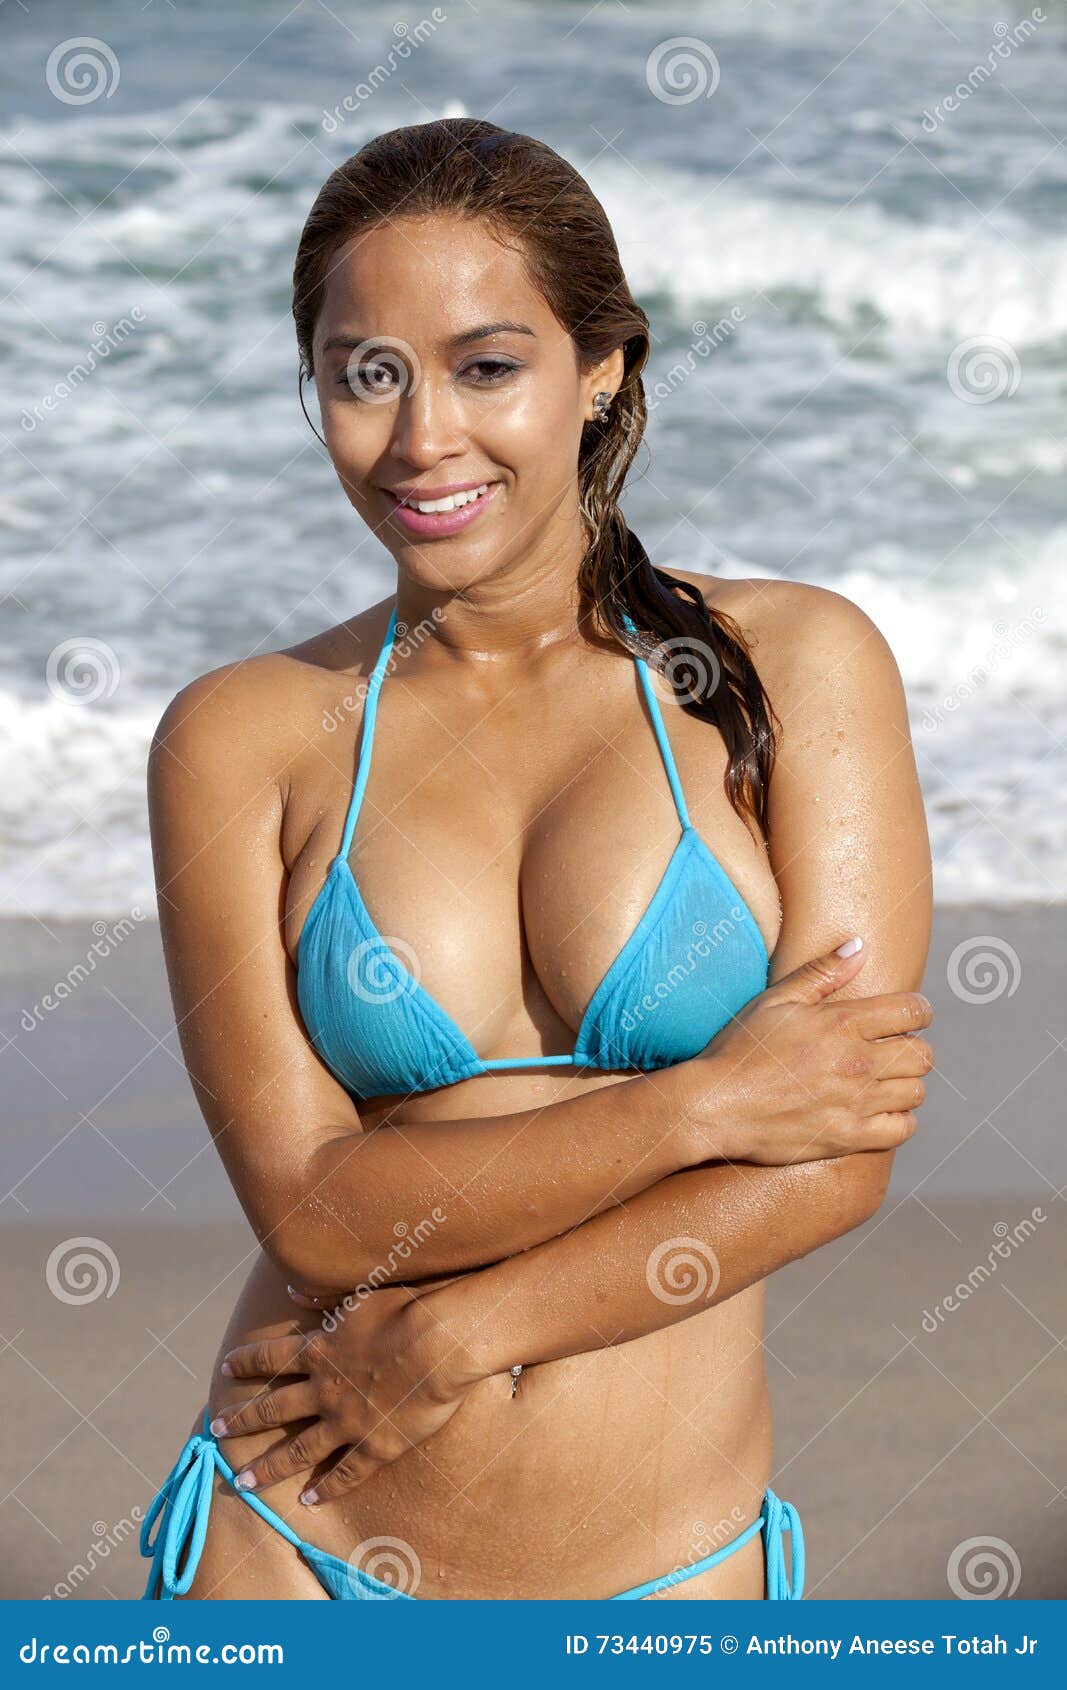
(606, 377)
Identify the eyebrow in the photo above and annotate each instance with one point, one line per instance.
(348, 342)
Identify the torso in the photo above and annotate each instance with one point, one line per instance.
(604, 1469)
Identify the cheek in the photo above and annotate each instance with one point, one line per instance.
(356, 436)
(536, 436)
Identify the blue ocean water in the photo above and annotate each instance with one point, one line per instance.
(844, 219)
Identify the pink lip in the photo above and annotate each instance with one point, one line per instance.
(436, 524)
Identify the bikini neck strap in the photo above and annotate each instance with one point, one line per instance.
(370, 715)
(660, 730)
(366, 738)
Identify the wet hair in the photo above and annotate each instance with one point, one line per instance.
(531, 198)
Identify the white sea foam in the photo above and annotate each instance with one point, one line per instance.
(172, 504)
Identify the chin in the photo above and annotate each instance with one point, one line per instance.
(443, 576)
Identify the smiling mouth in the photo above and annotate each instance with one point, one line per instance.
(431, 519)
(452, 502)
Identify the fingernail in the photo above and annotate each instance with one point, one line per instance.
(309, 1498)
(245, 1480)
(218, 1425)
(849, 948)
(227, 1369)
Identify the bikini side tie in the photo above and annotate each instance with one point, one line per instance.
(779, 1516)
(182, 1505)
(184, 1502)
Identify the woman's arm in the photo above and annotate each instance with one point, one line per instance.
(849, 851)
(331, 1203)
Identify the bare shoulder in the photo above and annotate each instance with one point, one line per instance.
(250, 720)
(813, 648)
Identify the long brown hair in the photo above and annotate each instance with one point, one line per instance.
(526, 193)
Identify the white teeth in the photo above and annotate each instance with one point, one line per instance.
(454, 502)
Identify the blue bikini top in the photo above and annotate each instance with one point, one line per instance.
(695, 958)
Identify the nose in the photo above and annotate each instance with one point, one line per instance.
(427, 425)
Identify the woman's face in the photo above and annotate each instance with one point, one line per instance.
(438, 365)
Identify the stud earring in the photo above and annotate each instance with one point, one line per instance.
(601, 407)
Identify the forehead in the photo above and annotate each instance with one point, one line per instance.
(427, 278)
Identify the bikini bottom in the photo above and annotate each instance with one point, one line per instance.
(182, 1506)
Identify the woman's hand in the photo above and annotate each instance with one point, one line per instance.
(794, 1078)
(387, 1376)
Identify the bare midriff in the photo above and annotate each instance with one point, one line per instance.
(597, 1473)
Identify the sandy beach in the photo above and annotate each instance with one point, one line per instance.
(917, 1365)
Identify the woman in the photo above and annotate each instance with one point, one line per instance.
(516, 981)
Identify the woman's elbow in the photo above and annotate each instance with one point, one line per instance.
(856, 1187)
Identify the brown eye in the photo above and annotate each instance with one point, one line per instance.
(490, 371)
(369, 381)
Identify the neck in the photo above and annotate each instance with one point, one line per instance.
(511, 614)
